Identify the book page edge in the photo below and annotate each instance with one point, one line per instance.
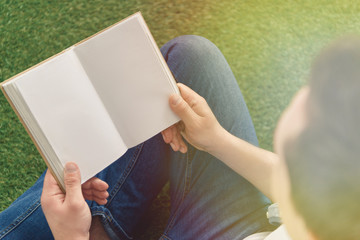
(33, 139)
(107, 28)
(171, 78)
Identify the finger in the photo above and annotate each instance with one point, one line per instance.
(164, 136)
(90, 194)
(181, 108)
(99, 197)
(100, 201)
(175, 145)
(99, 194)
(167, 134)
(183, 146)
(72, 180)
(95, 184)
(194, 100)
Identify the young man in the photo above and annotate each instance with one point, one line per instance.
(312, 176)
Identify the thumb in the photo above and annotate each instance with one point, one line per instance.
(182, 108)
(72, 180)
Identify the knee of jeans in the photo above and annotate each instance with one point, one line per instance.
(189, 47)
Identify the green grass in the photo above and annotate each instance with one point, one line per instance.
(268, 44)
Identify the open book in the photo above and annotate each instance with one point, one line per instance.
(94, 100)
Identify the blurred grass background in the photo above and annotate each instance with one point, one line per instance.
(268, 44)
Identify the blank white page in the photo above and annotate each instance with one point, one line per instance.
(124, 65)
(70, 113)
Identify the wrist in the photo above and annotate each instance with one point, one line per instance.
(219, 139)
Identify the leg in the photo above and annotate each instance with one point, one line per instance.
(24, 218)
(133, 186)
(134, 181)
(209, 200)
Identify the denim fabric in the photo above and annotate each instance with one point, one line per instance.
(208, 200)
(24, 219)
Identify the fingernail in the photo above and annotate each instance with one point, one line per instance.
(166, 138)
(172, 146)
(70, 167)
(176, 99)
(182, 149)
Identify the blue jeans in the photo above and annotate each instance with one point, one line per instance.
(208, 200)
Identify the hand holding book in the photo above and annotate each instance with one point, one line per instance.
(68, 215)
(199, 126)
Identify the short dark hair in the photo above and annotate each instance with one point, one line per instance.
(324, 160)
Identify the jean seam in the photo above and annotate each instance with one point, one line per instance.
(126, 173)
(97, 213)
(187, 175)
(185, 192)
(20, 219)
(165, 237)
(109, 219)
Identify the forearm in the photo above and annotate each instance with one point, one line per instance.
(253, 163)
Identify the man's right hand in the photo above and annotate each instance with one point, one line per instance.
(68, 215)
(199, 125)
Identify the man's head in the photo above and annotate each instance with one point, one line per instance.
(318, 140)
